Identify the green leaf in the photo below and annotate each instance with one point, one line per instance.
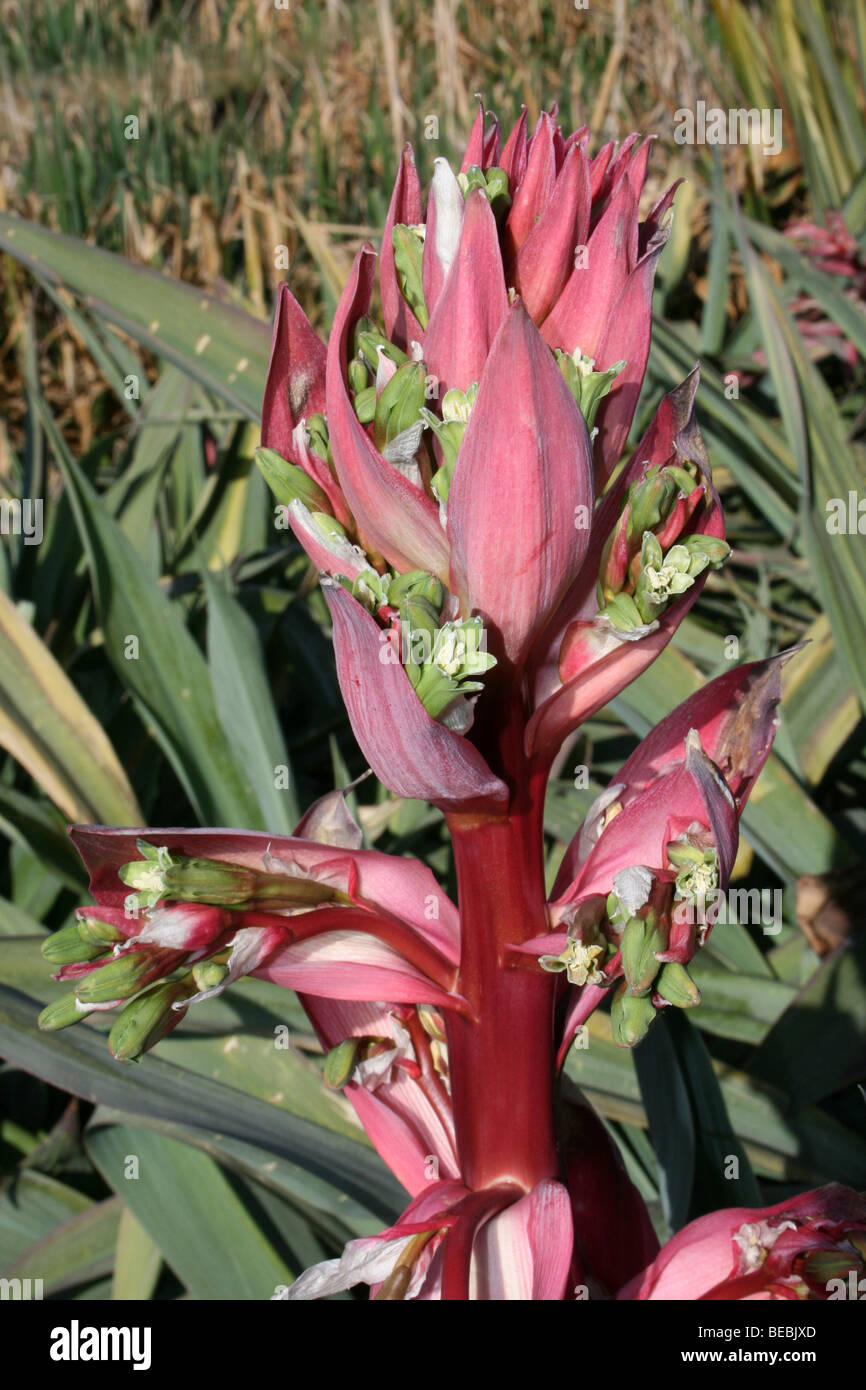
(818, 1045)
(76, 1252)
(672, 1127)
(137, 1261)
(191, 1212)
(47, 727)
(804, 1146)
(168, 677)
(32, 1204)
(245, 705)
(194, 1107)
(222, 347)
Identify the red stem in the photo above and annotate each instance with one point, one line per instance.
(501, 1062)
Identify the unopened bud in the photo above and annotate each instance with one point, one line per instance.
(630, 1017)
(208, 974)
(651, 501)
(125, 975)
(370, 342)
(317, 429)
(640, 940)
(365, 405)
(682, 854)
(359, 377)
(68, 947)
(61, 1013)
(623, 613)
(417, 584)
(400, 404)
(98, 933)
(146, 1020)
(676, 985)
(160, 874)
(287, 481)
(704, 551)
(340, 1063)
(408, 252)
(588, 386)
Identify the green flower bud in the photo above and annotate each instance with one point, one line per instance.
(365, 405)
(651, 501)
(365, 328)
(400, 403)
(493, 183)
(60, 1013)
(194, 880)
(418, 584)
(704, 551)
(317, 429)
(359, 377)
(497, 190)
(676, 985)
(98, 933)
(623, 613)
(68, 947)
(208, 974)
(370, 342)
(449, 431)
(330, 525)
(340, 1063)
(683, 855)
(122, 976)
(287, 481)
(820, 1266)
(470, 179)
(588, 386)
(146, 1020)
(408, 245)
(630, 1017)
(371, 589)
(640, 940)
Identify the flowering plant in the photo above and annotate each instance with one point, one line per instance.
(495, 574)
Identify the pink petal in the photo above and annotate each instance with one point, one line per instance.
(513, 157)
(546, 258)
(349, 965)
(525, 1251)
(401, 325)
(522, 472)
(472, 303)
(392, 514)
(583, 311)
(295, 384)
(736, 716)
(475, 148)
(329, 555)
(404, 888)
(409, 751)
(535, 189)
(626, 338)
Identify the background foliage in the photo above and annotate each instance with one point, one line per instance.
(260, 128)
